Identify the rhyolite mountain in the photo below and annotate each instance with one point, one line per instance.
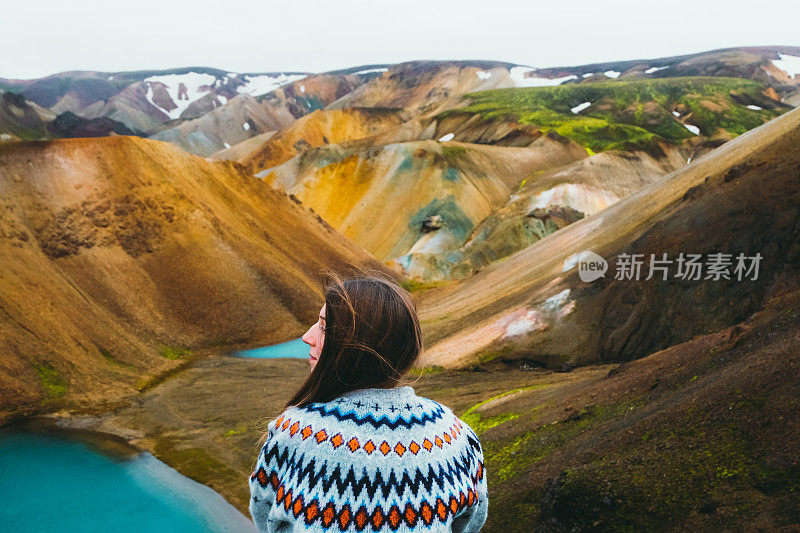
(584, 146)
(738, 199)
(246, 116)
(320, 128)
(68, 125)
(121, 255)
(21, 119)
(160, 102)
(145, 100)
(775, 66)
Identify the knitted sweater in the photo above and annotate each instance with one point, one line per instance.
(370, 460)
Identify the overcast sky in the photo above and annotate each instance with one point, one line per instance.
(38, 38)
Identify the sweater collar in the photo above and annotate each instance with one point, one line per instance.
(381, 395)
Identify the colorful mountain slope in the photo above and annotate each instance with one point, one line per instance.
(774, 66)
(545, 202)
(240, 119)
(144, 100)
(740, 198)
(385, 198)
(68, 125)
(242, 149)
(20, 119)
(318, 128)
(627, 115)
(245, 116)
(120, 255)
(649, 128)
(424, 86)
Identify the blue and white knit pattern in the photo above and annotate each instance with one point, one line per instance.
(370, 460)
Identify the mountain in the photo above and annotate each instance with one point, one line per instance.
(634, 132)
(122, 257)
(144, 100)
(396, 199)
(244, 116)
(238, 120)
(68, 125)
(164, 103)
(319, 128)
(423, 86)
(625, 115)
(240, 150)
(738, 199)
(20, 119)
(774, 66)
(546, 201)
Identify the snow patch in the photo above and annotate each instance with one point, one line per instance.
(303, 89)
(371, 70)
(693, 129)
(523, 324)
(557, 301)
(445, 138)
(111, 77)
(258, 85)
(522, 321)
(530, 319)
(611, 74)
(754, 107)
(580, 107)
(227, 145)
(483, 74)
(223, 100)
(654, 69)
(246, 126)
(191, 81)
(789, 64)
(676, 113)
(588, 74)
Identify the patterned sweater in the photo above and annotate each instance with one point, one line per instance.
(370, 460)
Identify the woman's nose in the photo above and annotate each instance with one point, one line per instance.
(308, 338)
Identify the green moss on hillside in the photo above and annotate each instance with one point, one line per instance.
(676, 472)
(452, 154)
(53, 384)
(172, 352)
(626, 115)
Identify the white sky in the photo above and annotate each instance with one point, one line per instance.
(43, 37)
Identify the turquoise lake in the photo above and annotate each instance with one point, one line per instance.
(293, 348)
(51, 482)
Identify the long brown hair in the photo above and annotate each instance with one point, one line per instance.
(372, 338)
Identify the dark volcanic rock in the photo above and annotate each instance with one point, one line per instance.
(70, 125)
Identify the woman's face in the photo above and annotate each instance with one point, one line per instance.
(315, 337)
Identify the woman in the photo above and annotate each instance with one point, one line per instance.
(354, 450)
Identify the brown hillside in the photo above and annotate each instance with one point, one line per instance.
(426, 86)
(120, 253)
